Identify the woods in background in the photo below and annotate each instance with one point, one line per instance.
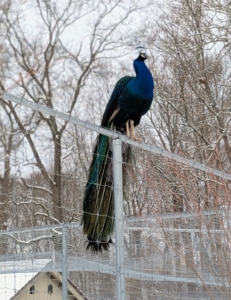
(45, 160)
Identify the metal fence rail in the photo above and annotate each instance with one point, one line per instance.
(68, 118)
(77, 259)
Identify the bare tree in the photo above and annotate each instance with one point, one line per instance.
(48, 68)
(9, 142)
(190, 47)
(194, 89)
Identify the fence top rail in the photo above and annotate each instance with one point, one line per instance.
(41, 228)
(177, 215)
(127, 220)
(113, 134)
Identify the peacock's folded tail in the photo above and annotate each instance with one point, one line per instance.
(98, 206)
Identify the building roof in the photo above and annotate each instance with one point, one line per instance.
(73, 290)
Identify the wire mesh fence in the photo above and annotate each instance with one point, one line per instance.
(176, 219)
(178, 259)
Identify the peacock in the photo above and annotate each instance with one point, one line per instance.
(130, 100)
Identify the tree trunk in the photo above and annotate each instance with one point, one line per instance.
(57, 185)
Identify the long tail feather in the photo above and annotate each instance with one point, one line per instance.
(98, 203)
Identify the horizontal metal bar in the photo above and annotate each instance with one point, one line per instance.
(39, 228)
(190, 230)
(126, 227)
(81, 264)
(176, 215)
(110, 133)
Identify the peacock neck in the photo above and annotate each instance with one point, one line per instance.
(143, 80)
(142, 71)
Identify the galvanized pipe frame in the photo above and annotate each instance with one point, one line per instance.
(119, 222)
(148, 147)
(64, 262)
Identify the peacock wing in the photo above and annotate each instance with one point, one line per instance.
(112, 107)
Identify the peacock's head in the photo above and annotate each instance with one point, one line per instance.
(142, 56)
(141, 51)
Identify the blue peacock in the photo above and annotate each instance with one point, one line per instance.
(130, 100)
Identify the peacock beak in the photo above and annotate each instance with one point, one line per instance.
(144, 55)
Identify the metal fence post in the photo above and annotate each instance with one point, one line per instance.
(119, 225)
(64, 262)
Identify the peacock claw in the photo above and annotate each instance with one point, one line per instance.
(132, 134)
(136, 138)
(127, 128)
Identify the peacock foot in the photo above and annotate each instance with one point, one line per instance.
(132, 132)
(127, 128)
